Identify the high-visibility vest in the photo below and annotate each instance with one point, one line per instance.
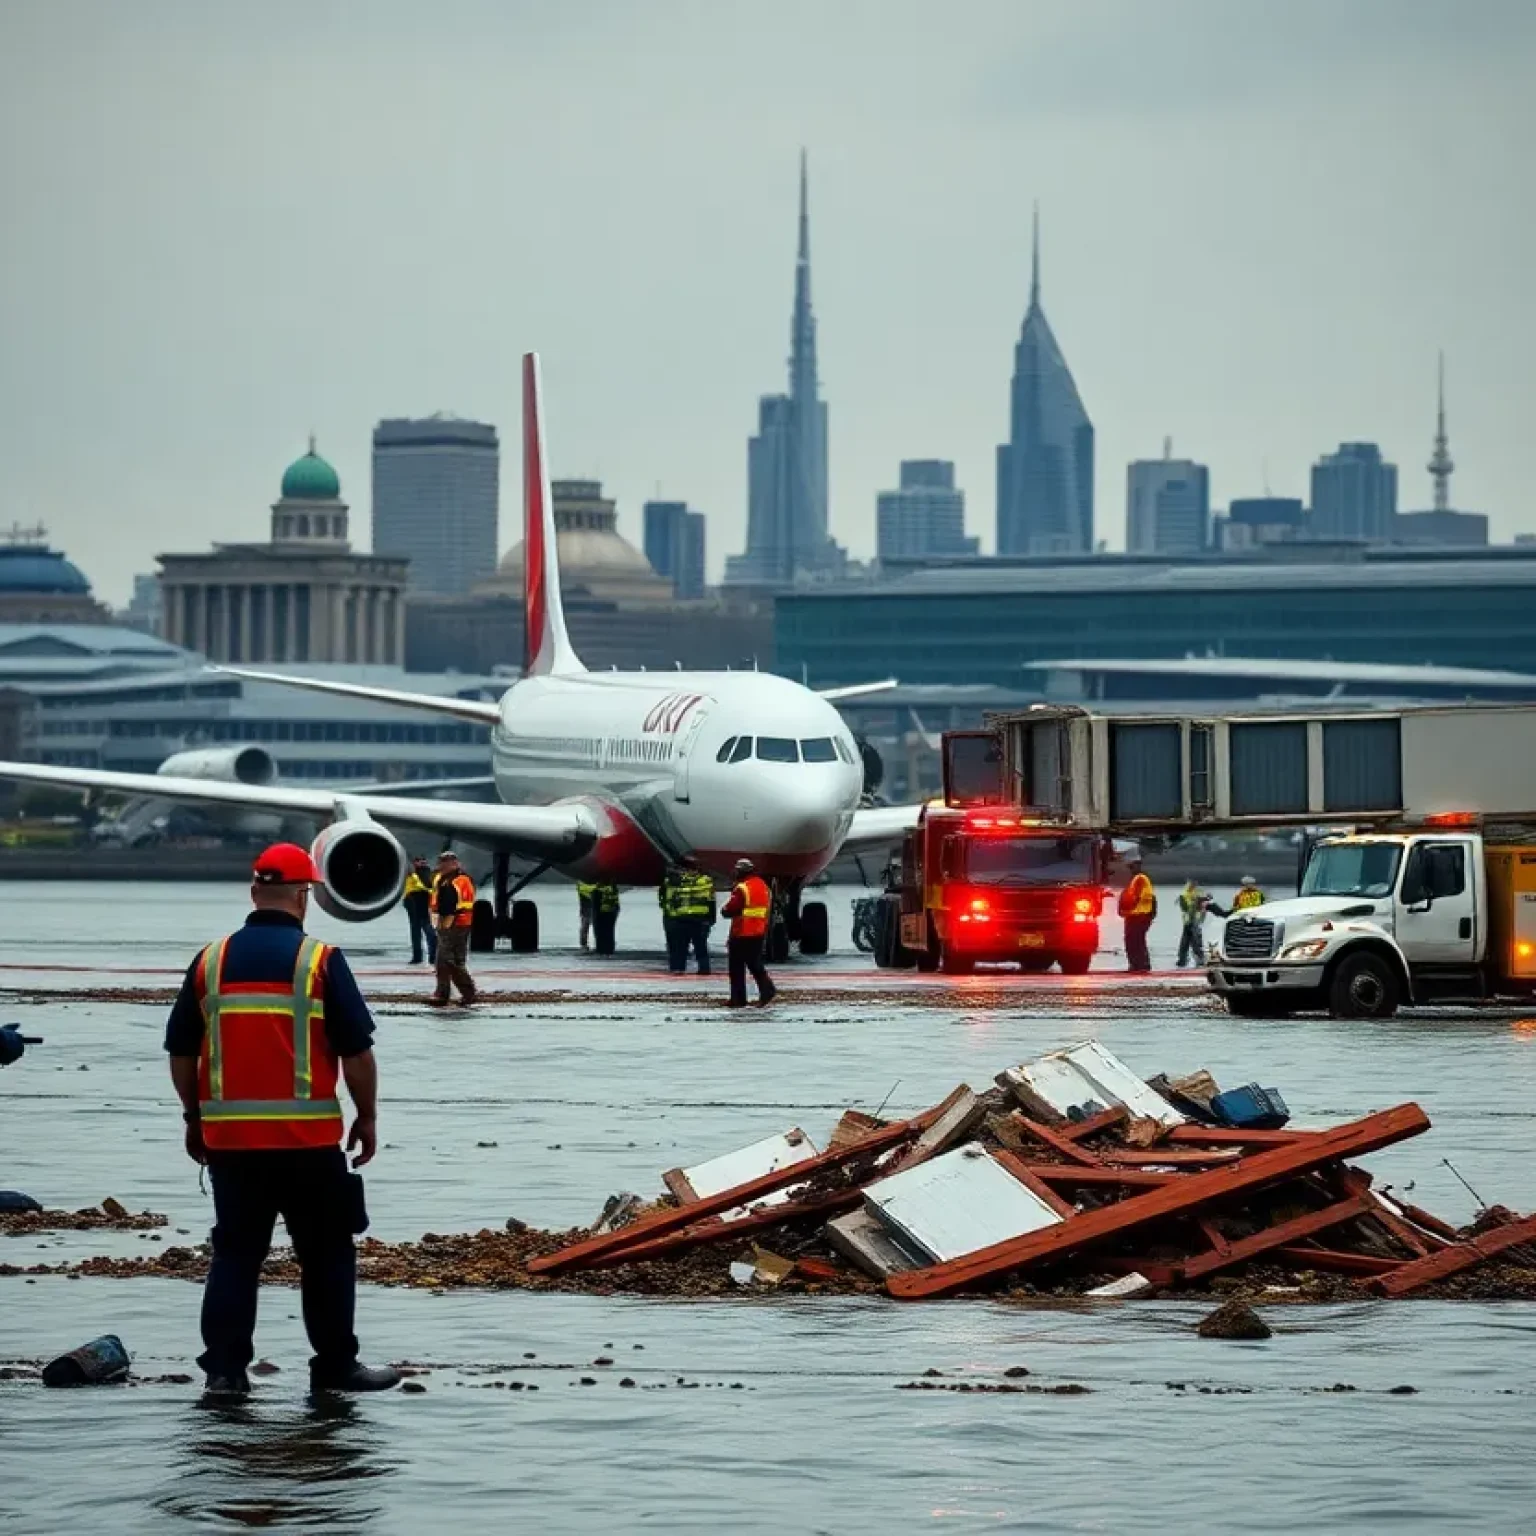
(605, 897)
(584, 889)
(1192, 904)
(267, 1073)
(1138, 898)
(415, 885)
(752, 899)
(1249, 896)
(693, 895)
(464, 898)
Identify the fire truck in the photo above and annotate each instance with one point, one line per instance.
(979, 881)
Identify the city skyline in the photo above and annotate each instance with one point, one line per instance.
(184, 292)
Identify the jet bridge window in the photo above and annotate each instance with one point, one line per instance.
(777, 749)
(818, 749)
(743, 749)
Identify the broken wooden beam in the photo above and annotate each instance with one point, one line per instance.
(1074, 1176)
(952, 1120)
(1090, 1125)
(713, 1230)
(1356, 1181)
(1186, 1193)
(1460, 1256)
(1059, 1142)
(1035, 1185)
(1162, 1157)
(1232, 1136)
(1238, 1250)
(659, 1223)
(1336, 1261)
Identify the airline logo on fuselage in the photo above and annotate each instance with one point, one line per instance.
(665, 717)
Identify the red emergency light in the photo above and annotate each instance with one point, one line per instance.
(1452, 819)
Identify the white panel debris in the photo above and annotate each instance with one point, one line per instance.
(1087, 1077)
(740, 1167)
(956, 1204)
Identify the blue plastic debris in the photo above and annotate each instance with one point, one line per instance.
(1251, 1109)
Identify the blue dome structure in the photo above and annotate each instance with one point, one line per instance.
(36, 568)
(310, 478)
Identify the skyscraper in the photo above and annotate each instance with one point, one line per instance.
(1354, 495)
(1167, 506)
(925, 517)
(787, 460)
(1045, 469)
(674, 544)
(434, 500)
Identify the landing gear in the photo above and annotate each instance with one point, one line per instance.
(523, 927)
(813, 928)
(502, 917)
(482, 928)
(796, 923)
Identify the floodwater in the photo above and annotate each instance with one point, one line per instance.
(774, 1415)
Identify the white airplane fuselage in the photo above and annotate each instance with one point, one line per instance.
(651, 755)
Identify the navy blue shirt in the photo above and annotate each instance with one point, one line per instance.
(267, 949)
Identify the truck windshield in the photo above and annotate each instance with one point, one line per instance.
(1029, 860)
(1352, 869)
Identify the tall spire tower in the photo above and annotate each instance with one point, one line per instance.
(802, 339)
(1440, 462)
(1034, 263)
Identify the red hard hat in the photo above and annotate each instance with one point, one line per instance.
(285, 864)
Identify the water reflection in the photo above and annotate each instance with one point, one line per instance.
(245, 1465)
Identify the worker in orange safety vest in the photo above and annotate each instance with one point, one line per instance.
(1138, 906)
(750, 910)
(267, 1024)
(453, 902)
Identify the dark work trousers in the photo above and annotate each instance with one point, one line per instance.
(604, 928)
(321, 1203)
(1192, 944)
(741, 956)
(1136, 956)
(418, 910)
(685, 934)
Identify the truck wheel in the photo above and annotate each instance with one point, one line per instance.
(813, 928)
(482, 927)
(1035, 964)
(524, 927)
(1075, 965)
(1364, 986)
(955, 965)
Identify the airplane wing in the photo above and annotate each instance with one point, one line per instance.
(856, 690)
(879, 826)
(558, 833)
(478, 710)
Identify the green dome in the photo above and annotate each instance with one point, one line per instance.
(310, 479)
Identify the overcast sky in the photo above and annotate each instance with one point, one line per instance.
(223, 224)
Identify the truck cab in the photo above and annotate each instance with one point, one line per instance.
(1428, 915)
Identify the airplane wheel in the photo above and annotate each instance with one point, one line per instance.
(813, 928)
(482, 927)
(524, 927)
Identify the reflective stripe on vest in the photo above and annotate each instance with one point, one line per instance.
(1139, 897)
(464, 901)
(756, 900)
(1248, 898)
(221, 1004)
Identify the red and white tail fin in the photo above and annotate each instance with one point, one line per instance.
(546, 646)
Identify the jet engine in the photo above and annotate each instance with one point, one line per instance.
(229, 765)
(362, 869)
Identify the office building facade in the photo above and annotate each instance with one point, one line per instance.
(1354, 495)
(925, 517)
(436, 484)
(1167, 506)
(674, 544)
(1045, 469)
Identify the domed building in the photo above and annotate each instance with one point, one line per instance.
(304, 596)
(597, 563)
(39, 586)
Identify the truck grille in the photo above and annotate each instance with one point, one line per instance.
(1249, 938)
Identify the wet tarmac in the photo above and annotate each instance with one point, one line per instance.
(589, 1076)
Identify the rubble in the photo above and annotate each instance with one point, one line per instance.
(1234, 1320)
(109, 1216)
(1070, 1178)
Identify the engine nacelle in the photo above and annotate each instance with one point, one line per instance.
(362, 870)
(229, 765)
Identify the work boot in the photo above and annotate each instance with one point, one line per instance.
(355, 1377)
(235, 1384)
(437, 1002)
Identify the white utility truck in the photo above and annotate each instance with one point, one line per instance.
(1436, 913)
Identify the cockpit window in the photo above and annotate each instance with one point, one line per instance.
(743, 749)
(777, 749)
(818, 749)
(842, 751)
(723, 755)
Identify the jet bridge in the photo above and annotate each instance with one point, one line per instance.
(1170, 773)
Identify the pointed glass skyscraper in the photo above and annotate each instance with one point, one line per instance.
(1045, 470)
(787, 460)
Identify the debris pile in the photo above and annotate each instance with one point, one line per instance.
(1071, 1176)
(110, 1216)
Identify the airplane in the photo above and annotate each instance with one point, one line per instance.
(601, 775)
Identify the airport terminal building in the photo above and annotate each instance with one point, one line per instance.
(988, 622)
